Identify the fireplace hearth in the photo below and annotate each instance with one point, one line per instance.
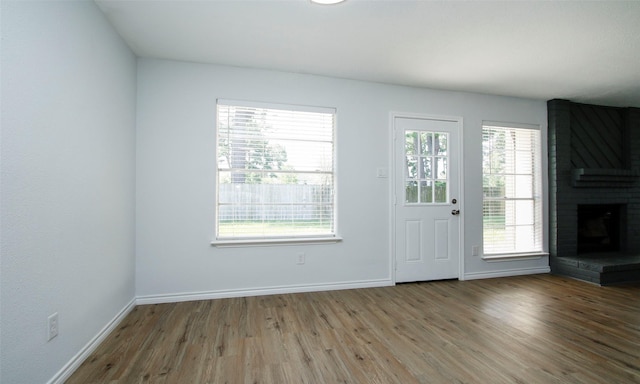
(594, 192)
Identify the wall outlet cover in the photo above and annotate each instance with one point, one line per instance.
(52, 326)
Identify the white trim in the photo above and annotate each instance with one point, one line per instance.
(425, 116)
(459, 120)
(285, 107)
(507, 273)
(514, 256)
(392, 198)
(501, 124)
(461, 199)
(233, 243)
(68, 369)
(231, 293)
(336, 218)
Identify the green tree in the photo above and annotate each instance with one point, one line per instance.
(422, 149)
(244, 146)
(493, 163)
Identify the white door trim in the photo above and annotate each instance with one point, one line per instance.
(393, 178)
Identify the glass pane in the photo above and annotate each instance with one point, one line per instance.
(525, 238)
(524, 186)
(426, 192)
(440, 144)
(224, 177)
(298, 155)
(411, 167)
(525, 212)
(493, 162)
(440, 169)
(426, 143)
(509, 186)
(493, 185)
(425, 167)
(441, 192)
(411, 143)
(247, 220)
(493, 213)
(411, 192)
(235, 177)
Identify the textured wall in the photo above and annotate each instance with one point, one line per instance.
(67, 182)
(176, 179)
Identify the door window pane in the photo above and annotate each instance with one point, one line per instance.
(426, 172)
(441, 191)
(411, 192)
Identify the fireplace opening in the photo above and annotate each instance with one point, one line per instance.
(598, 228)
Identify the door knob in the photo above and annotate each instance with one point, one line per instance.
(455, 212)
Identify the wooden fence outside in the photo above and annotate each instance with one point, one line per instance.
(275, 202)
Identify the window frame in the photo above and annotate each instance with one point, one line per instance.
(287, 239)
(538, 196)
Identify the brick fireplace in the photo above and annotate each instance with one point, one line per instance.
(594, 191)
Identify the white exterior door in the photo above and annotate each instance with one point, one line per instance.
(427, 198)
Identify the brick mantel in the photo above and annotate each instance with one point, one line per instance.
(594, 158)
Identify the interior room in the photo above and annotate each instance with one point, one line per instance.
(120, 193)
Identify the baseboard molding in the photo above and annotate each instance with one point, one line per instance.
(229, 293)
(73, 364)
(506, 273)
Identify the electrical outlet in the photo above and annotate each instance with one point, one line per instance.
(475, 250)
(52, 326)
(301, 258)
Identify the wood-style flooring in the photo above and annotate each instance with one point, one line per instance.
(527, 329)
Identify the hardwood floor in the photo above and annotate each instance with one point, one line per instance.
(528, 329)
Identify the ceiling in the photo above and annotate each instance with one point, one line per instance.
(584, 51)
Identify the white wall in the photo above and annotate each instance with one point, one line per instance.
(176, 184)
(70, 222)
(68, 179)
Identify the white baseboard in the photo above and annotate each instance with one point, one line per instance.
(73, 364)
(506, 273)
(228, 293)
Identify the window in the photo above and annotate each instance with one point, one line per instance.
(275, 176)
(512, 202)
(426, 167)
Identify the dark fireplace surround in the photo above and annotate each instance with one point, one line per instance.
(599, 228)
(594, 191)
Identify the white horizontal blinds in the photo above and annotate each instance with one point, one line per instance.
(275, 171)
(512, 205)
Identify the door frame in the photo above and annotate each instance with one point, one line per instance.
(393, 179)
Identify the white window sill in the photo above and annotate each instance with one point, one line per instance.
(272, 242)
(514, 256)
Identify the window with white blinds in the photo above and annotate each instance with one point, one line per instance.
(275, 174)
(512, 190)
